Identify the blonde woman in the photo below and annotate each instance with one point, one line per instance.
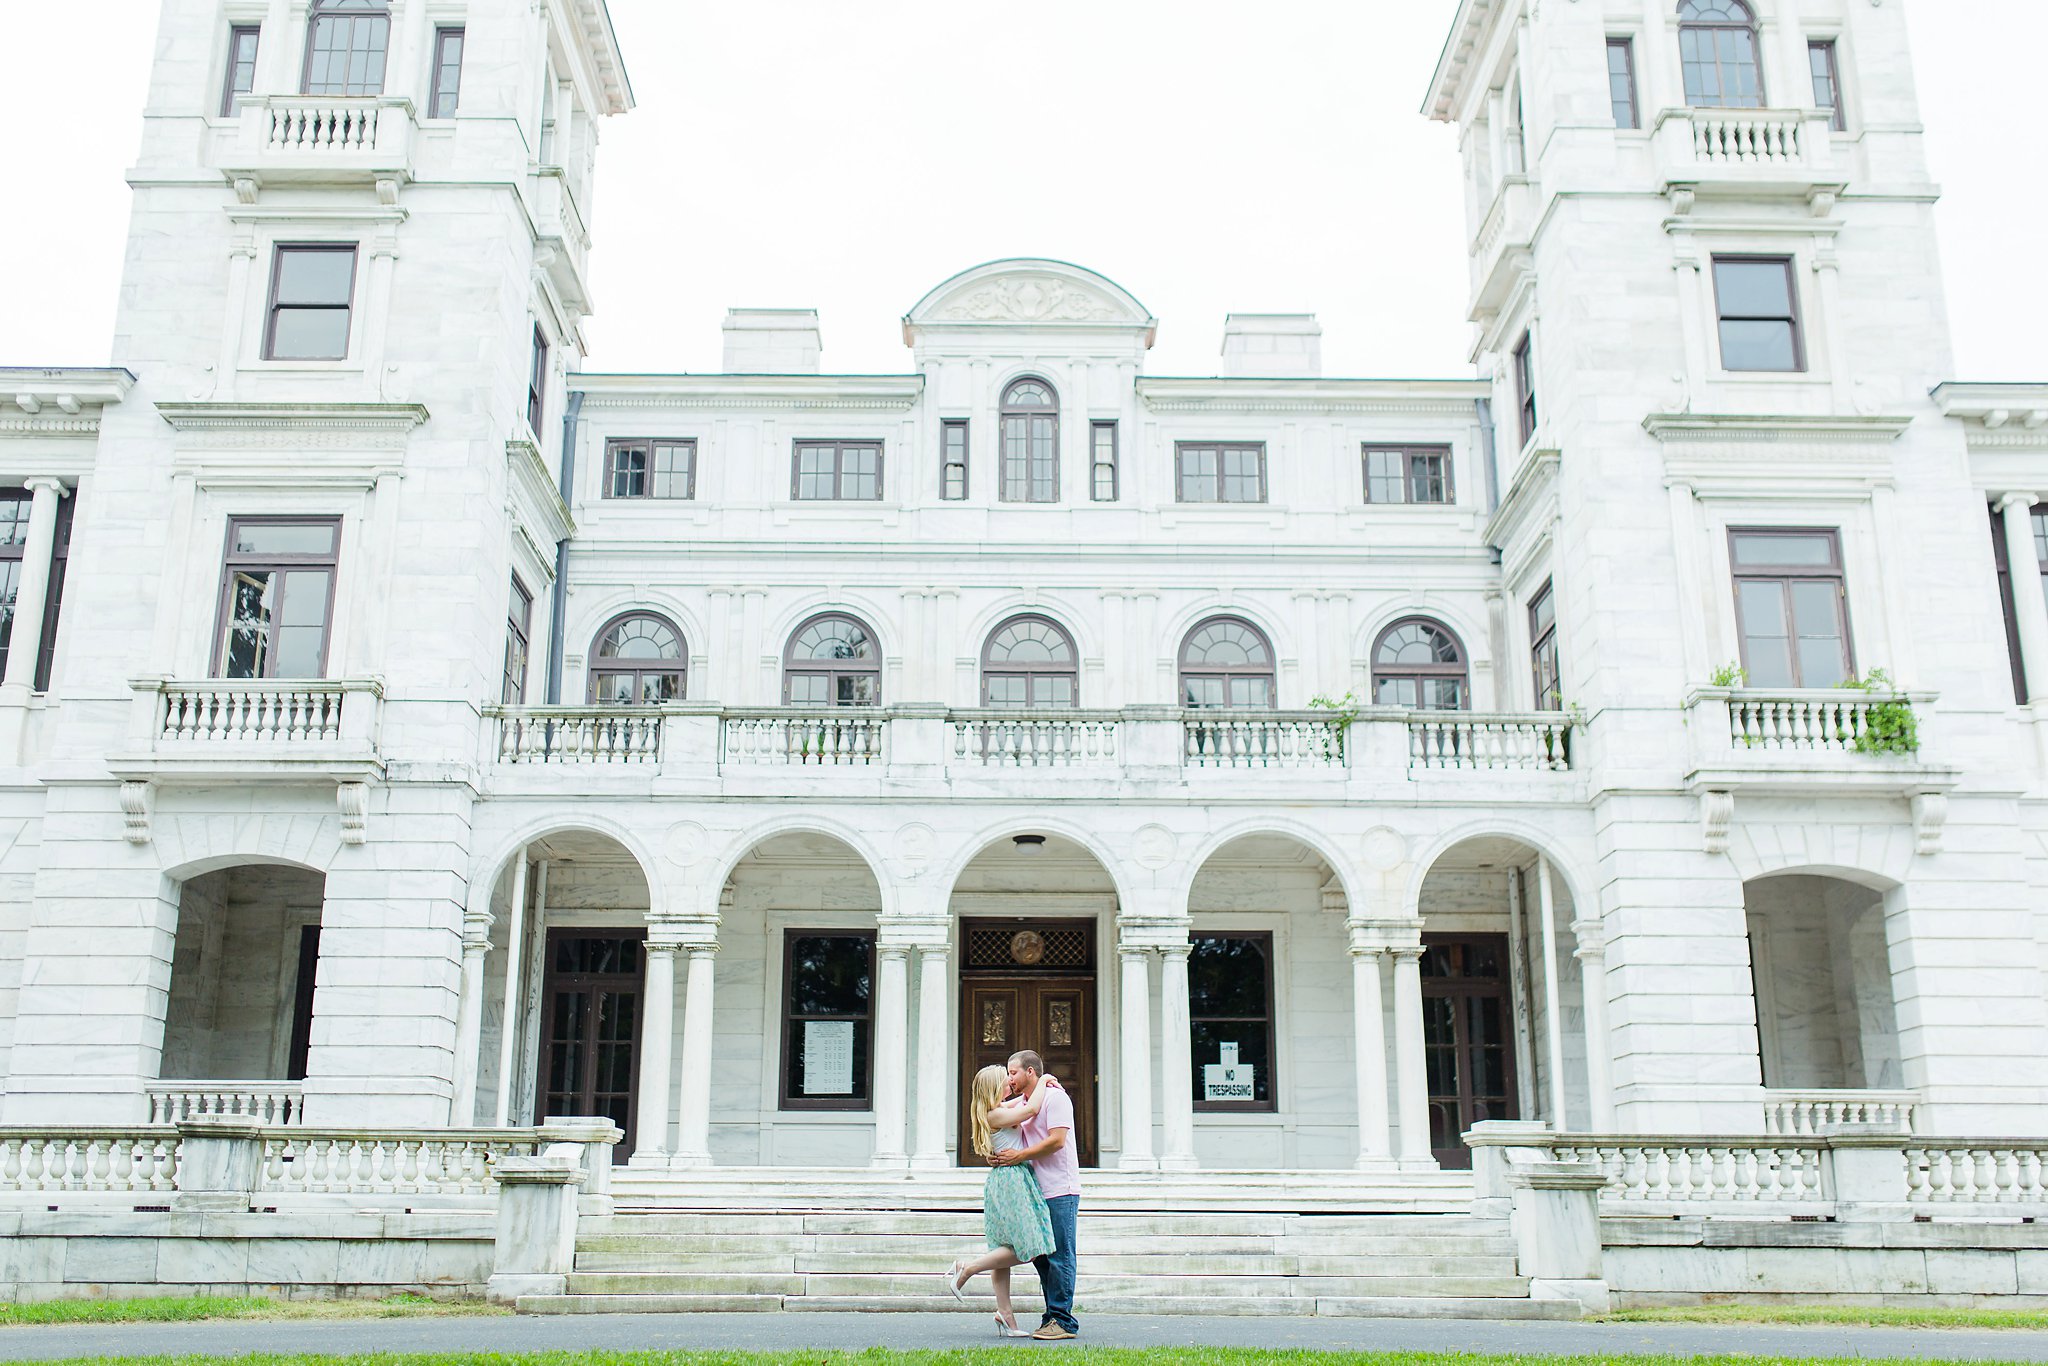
(1013, 1208)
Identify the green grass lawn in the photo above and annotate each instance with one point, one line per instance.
(181, 1308)
(1843, 1316)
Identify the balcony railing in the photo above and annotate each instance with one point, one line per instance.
(1747, 152)
(321, 138)
(1798, 1113)
(266, 1102)
(259, 728)
(1034, 739)
(260, 714)
(1471, 740)
(579, 735)
(1833, 721)
(1223, 739)
(839, 738)
(1812, 739)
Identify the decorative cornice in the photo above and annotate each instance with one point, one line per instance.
(792, 393)
(540, 494)
(1534, 488)
(1413, 398)
(1467, 31)
(49, 426)
(385, 418)
(1030, 292)
(1727, 428)
(59, 400)
(1998, 417)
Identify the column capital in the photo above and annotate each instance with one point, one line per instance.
(476, 930)
(1406, 953)
(2008, 501)
(701, 952)
(1591, 937)
(892, 949)
(1176, 953)
(667, 947)
(49, 482)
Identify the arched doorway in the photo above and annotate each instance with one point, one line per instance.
(1822, 973)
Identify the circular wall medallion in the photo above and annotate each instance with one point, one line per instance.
(915, 845)
(1385, 849)
(1153, 847)
(684, 844)
(1027, 947)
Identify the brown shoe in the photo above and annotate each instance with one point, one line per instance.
(1051, 1332)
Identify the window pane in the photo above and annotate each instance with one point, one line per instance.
(1227, 976)
(1621, 82)
(1431, 483)
(309, 334)
(1396, 692)
(1766, 639)
(447, 73)
(1252, 1050)
(1759, 346)
(1792, 551)
(1251, 692)
(1241, 482)
(1823, 653)
(1753, 289)
(1009, 690)
(1202, 692)
(302, 629)
(858, 690)
(674, 470)
(306, 276)
(1052, 690)
(250, 604)
(284, 538)
(656, 688)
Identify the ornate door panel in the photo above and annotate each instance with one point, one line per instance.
(1030, 984)
(1468, 1038)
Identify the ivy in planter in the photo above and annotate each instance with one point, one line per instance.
(1889, 726)
(1344, 711)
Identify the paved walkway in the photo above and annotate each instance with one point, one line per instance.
(783, 1332)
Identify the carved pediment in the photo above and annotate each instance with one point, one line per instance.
(1030, 293)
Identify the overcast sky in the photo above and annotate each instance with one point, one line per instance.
(1208, 156)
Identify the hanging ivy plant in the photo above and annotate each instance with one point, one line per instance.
(1344, 710)
(1889, 726)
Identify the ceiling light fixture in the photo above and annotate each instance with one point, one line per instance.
(1029, 844)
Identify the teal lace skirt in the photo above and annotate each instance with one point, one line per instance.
(1014, 1209)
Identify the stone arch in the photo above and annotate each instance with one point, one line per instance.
(1081, 628)
(1317, 841)
(190, 845)
(489, 868)
(886, 623)
(746, 841)
(1563, 866)
(1875, 854)
(947, 875)
(1471, 635)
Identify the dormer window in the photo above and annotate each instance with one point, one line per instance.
(1717, 47)
(346, 47)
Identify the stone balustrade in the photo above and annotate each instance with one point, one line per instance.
(1800, 1113)
(39, 1161)
(266, 1102)
(1755, 136)
(1035, 739)
(441, 1163)
(1811, 740)
(320, 138)
(833, 738)
(1469, 740)
(254, 729)
(1751, 152)
(1254, 739)
(1999, 1173)
(252, 712)
(578, 735)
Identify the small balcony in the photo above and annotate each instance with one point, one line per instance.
(320, 140)
(265, 1102)
(254, 730)
(1748, 152)
(1501, 248)
(1810, 740)
(1800, 1114)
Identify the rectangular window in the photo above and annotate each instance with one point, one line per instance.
(1103, 472)
(1543, 650)
(953, 459)
(1621, 82)
(1525, 385)
(14, 518)
(1214, 473)
(1407, 474)
(446, 96)
(846, 471)
(346, 47)
(1759, 313)
(2005, 594)
(518, 632)
(239, 79)
(1827, 83)
(537, 381)
(1230, 1016)
(312, 291)
(1792, 607)
(828, 997)
(639, 468)
(1030, 458)
(277, 597)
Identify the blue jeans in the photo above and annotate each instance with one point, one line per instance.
(1056, 1273)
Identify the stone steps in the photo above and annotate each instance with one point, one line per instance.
(932, 1256)
(1356, 1306)
(921, 1284)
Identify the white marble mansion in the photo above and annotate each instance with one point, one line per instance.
(406, 730)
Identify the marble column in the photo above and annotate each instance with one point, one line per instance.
(1134, 1006)
(32, 594)
(1176, 1044)
(1591, 952)
(657, 1034)
(476, 942)
(1412, 1076)
(934, 1054)
(693, 1132)
(1553, 999)
(515, 1005)
(2029, 601)
(891, 1044)
(1369, 1026)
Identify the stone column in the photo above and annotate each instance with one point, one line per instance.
(25, 643)
(1553, 1001)
(2029, 602)
(693, 1132)
(476, 942)
(1134, 1004)
(1177, 1087)
(1592, 955)
(934, 1054)
(515, 1003)
(657, 1034)
(891, 1044)
(1410, 1060)
(1369, 1027)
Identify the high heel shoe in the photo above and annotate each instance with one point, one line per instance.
(1006, 1329)
(953, 1282)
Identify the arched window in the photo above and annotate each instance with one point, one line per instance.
(1226, 662)
(1717, 47)
(1420, 665)
(832, 661)
(1029, 662)
(346, 46)
(639, 660)
(1029, 461)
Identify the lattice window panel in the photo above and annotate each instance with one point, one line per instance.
(1061, 948)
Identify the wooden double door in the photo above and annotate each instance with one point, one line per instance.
(590, 1027)
(1027, 984)
(1468, 1038)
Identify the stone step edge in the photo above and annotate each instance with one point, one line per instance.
(1329, 1306)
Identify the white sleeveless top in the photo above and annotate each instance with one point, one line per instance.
(1005, 1140)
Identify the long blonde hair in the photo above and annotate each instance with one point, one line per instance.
(985, 1095)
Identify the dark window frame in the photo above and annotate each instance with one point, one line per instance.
(1272, 1101)
(444, 100)
(991, 670)
(537, 382)
(232, 92)
(1836, 107)
(2007, 605)
(1420, 673)
(1013, 415)
(1525, 385)
(230, 562)
(1835, 572)
(349, 12)
(1183, 449)
(638, 669)
(616, 446)
(1545, 669)
(1410, 456)
(1628, 99)
(1712, 29)
(518, 645)
(792, 666)
(839, 474)
(1229, 673)
(787, 1099)
(274, 307)
(953, 473)
(16, 553)
(1097, 466)
(1793, 316)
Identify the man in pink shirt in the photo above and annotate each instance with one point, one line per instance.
(1049, 1148)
